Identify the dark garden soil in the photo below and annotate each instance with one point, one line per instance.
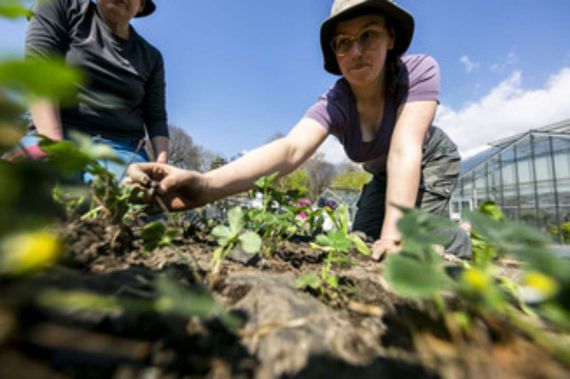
(365, 332)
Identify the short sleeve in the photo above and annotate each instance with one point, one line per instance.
(48, 30)
(320, 114)
(423, 78)
(331, 110)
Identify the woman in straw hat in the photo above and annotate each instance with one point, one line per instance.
(123, 95)
(381, 110)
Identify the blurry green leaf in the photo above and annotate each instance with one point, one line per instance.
(188, 303)
(45, 78)
(414, 278)
(152, 234)
(95, 151)
(421, 230)
(13, 9)
(342, 217)
(222, 234)
(250, 242)
(235, 218)
(492, 210)
(506, 237)
(332, 281)
(9, 135)
(359, 244)
(266, 181)
(65, 156)
(311, 280)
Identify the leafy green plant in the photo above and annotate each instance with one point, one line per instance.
(157, 234)
(337, 244)
(172, 298)
(275, 219)
(233, 235)
(418, 271)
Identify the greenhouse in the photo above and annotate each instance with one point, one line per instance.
(527, 175)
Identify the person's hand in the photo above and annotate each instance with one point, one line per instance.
(179, 189)
(20, 153)
(382, 247)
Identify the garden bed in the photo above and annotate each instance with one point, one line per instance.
(364, 331)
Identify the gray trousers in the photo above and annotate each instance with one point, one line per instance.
(440, 174)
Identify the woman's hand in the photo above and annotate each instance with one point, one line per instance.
(382, 247)
(179, 189)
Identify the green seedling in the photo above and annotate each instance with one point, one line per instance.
(157, 234)
(233, 235)
(275, 219)
(337, 244)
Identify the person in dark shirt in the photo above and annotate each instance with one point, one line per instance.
(123, 98)
(381, 110)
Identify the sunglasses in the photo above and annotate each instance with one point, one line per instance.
(369, 39)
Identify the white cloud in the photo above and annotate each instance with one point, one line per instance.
(505, 63)
(333, 151)
(470, 66)
(506, 110)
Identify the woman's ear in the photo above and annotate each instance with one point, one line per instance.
(143, 3)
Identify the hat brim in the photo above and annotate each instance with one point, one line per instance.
(401, 20)
(149, 8)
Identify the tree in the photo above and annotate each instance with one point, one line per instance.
(352, 177)
(218, 161)
(184, 153)
(320, 174)
(298, 181)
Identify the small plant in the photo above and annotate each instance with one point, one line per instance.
(172, 298)
(157, 234)
(231, 236)
(274, 218)
(337, 244)
(418, 271)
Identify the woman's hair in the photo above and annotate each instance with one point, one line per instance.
(392, 65)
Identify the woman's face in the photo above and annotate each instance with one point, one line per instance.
(361, 45)
(120, 11)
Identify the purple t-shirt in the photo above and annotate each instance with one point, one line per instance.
(336, 110)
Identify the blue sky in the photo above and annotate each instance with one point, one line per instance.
(239, 71)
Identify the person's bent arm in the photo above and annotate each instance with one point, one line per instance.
(46, 119)
(182, 189)
(160, 148)
(404, 162)
(282, 155)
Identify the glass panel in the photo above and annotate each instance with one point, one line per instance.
(542, 161)
(523, 149)
(525, 170)
(510, 197)
(564, 193)
(511, 213)
(561, 148)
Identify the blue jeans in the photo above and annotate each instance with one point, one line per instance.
(124, 149)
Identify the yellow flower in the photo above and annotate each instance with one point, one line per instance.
(543, 284)
(27, 252)
(476, 280)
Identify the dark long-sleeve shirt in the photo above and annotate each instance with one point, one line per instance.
(125, 89)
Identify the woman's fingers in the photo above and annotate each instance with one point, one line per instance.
(381, 248)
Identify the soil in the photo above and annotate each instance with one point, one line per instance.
(365, 332)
